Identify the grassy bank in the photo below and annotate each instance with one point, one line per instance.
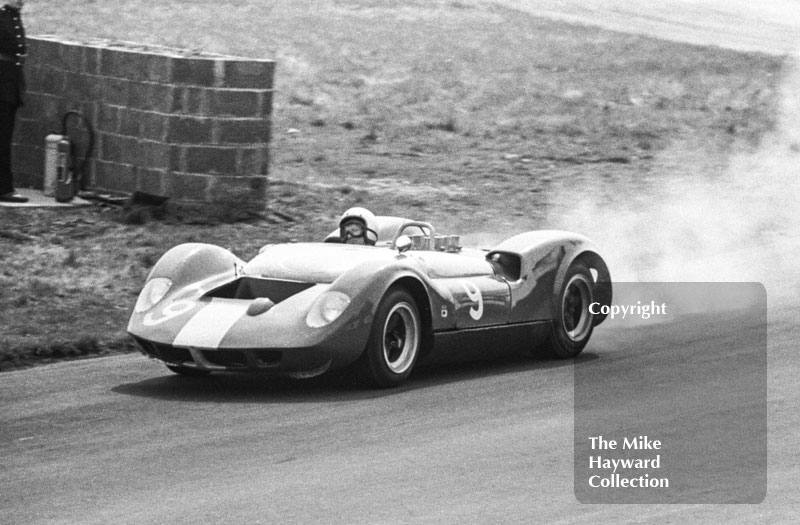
(459, 112)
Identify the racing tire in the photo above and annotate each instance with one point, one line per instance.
(573, 322)
(188, 372)
(394, 341)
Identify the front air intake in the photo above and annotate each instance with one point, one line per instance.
(164, 352)
(276, 290)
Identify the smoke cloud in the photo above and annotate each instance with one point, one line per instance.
(742, 225)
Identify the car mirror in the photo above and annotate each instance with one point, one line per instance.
(403, 243)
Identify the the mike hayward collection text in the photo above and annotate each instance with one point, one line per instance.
(610, 478)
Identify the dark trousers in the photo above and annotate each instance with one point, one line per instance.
(8, 112)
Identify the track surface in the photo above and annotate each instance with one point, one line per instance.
(772, 26)
(120, 439)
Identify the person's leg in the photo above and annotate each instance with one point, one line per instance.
(7, 115)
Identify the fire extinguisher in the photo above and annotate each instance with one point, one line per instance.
(62, 179)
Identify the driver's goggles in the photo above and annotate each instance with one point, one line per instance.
(354, 229)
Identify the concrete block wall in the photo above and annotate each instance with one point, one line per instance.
(195, 128)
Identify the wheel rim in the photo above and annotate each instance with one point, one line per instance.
(575, 316)
(400, 337)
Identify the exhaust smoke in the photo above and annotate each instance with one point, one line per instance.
(738, 225)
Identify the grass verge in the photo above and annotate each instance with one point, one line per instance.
(462, 113)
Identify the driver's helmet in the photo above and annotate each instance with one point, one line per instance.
(358, 226)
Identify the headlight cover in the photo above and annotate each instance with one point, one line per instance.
(152, 293)
(326, 309)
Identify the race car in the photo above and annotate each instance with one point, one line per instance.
(378, 295)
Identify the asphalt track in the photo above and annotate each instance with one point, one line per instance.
(121, 440)
(770, 26)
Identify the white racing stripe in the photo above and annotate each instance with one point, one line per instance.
(208, 326)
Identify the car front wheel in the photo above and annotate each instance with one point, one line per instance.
(394, 341)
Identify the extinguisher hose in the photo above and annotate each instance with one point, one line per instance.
(81, 170)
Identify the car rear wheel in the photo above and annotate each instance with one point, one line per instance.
(573, 322)
(189, 372)
(394, 341)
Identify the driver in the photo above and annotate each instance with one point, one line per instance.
(358, 226)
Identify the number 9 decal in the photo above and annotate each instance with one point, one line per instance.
(173, 309)
(179, 306)
(474, 294)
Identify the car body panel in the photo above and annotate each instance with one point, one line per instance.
(545, 257)
(221, 313)
(477, 301)
(312, 262)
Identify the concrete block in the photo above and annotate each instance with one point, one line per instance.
(108, 118)
(189, 130)
(254, 74)
(193, 72)
(211, 160)
(242, 131)
(235, 102)
(150, 181)
(115, 91)
(188, 187)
